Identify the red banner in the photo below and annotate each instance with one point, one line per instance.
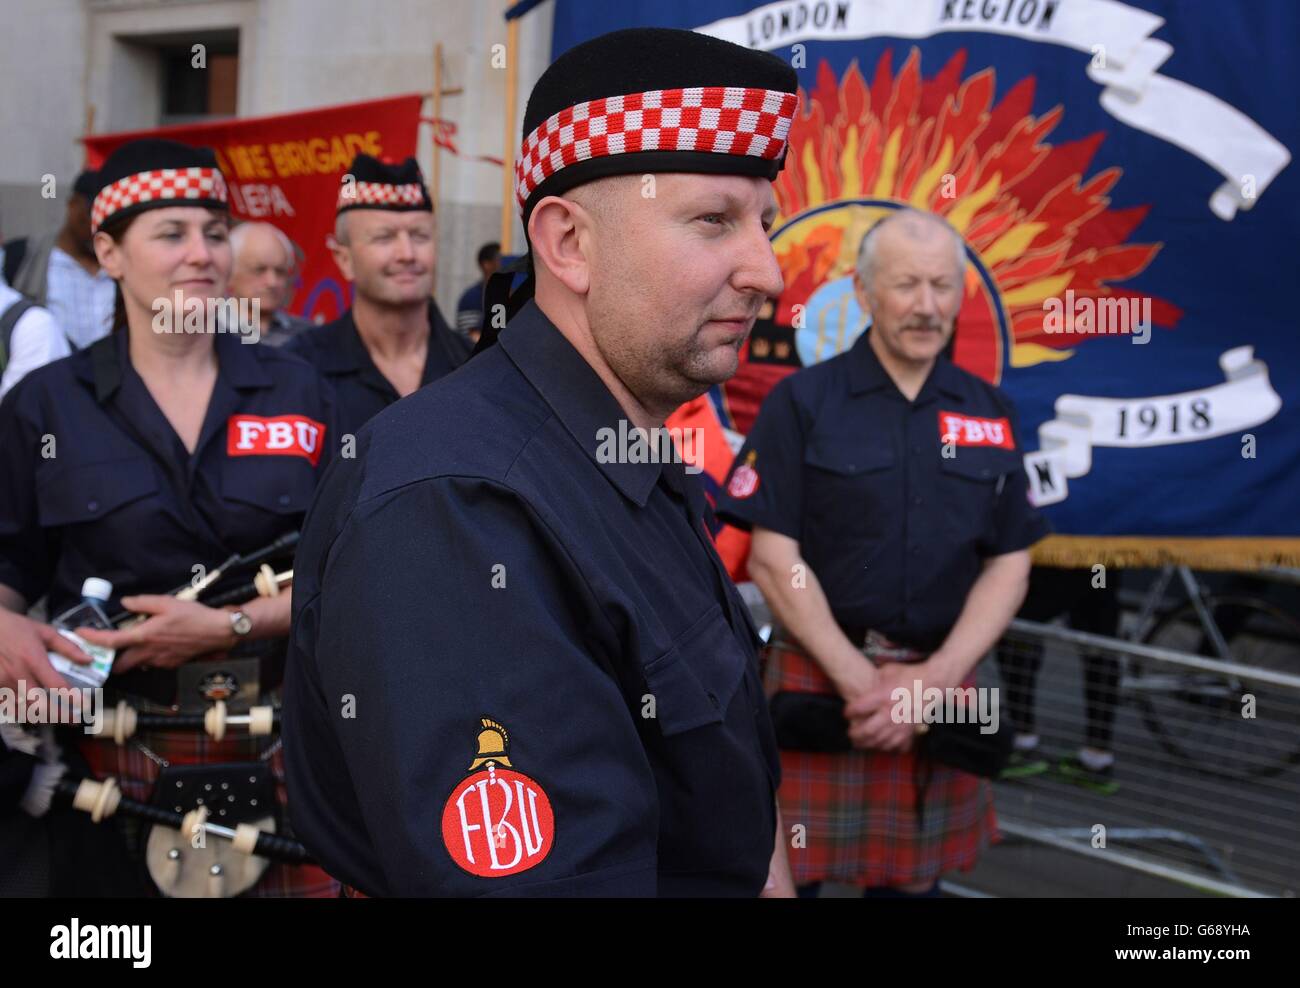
(286, 170)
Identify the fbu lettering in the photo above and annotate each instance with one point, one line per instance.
(497, 821)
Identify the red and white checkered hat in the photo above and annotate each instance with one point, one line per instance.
(373, 184)
(641, 101)
(654, 100)
(714, 120)
(150, 173)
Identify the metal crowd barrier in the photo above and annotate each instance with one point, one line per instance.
(1206, 753)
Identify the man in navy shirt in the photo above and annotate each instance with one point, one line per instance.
(518, 665)
(886, 495)
(393, 340)
(469, 310)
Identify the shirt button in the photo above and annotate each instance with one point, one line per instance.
(92, 505)
(917, 499)
(284, 498)
(916, 449)
(915, 549)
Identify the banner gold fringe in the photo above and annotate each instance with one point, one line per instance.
(1134, 551)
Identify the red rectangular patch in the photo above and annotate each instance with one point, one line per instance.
(970, 430)
(279, 435)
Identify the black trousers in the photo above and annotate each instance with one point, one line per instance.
(1052, 592)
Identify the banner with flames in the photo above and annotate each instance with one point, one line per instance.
(1121, 174)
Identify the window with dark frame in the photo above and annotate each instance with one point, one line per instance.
(208, 91)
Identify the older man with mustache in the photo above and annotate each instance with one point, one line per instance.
(392, 340)
(891, 531)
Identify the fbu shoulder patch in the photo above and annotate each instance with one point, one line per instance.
(497, 821)
(744, 481)
(970, 430)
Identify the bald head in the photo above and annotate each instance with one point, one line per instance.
(910, 277)
(657, 278)
(260, 237)
(904, 230)
(264, 262)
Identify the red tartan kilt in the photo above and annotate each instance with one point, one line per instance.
(859, 808)
(136, 773)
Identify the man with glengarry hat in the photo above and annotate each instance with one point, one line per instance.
(551, 683)
(392, 340)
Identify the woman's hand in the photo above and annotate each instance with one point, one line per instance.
(176, 631)
(23, 644)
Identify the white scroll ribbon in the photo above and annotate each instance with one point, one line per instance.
(1246, 399)
(1125, 61)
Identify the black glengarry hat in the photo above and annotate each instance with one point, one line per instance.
(150, 173)
(654, 100)
(374, 184)
(639, 101)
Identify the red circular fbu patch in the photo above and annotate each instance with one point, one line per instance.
(498, 822)
(743, 482)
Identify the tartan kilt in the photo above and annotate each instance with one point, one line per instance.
(136, 773)
(859, 808)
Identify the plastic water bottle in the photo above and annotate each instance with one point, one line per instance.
(89, 613)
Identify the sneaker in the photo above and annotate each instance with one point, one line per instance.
(1023, 764)
(1101, 781)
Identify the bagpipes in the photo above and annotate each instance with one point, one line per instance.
(102, 799)
(266, 582)
(210, 828)
(187, 854)
(121, 722)
(214, 841)
(124, 720)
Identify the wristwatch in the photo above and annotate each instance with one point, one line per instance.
(240, 623)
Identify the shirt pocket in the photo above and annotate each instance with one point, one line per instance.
(694, 682)
(279, 485)
(973, 480)
(92, 492)
(847, 480)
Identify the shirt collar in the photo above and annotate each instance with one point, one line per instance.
(107, 360)
(346, 353)
(866, 373)
(577, 396)
(238, 364)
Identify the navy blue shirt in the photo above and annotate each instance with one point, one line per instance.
(360, 388)
(95, 482)
(455, 587)
(469, 310)
(894, 521)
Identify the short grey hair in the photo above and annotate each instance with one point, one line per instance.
(341, 235)
(866, 264)
(240, 233)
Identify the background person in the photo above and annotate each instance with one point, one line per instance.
(891, 530)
